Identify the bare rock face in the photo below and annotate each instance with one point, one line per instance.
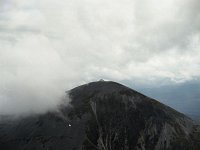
(105, 116)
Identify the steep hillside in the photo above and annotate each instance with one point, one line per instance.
(104, 116)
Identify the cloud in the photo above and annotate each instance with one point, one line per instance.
(49, 46)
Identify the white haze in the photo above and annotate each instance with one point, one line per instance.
(50, 46)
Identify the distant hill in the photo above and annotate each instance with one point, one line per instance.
(184, 97)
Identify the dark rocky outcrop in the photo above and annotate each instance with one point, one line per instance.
(103, 116)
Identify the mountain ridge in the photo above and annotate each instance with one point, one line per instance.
(104, 115)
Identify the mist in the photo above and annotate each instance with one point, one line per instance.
(48, 47)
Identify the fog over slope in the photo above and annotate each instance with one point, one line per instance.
(49, 46)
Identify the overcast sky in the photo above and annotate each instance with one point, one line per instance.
(49, 46)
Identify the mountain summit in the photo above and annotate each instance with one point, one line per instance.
(103, 115)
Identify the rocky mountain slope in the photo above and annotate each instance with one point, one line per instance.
(103, 116)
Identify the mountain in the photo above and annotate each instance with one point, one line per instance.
(103, 115)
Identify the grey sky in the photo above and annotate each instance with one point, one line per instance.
(49, 46)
